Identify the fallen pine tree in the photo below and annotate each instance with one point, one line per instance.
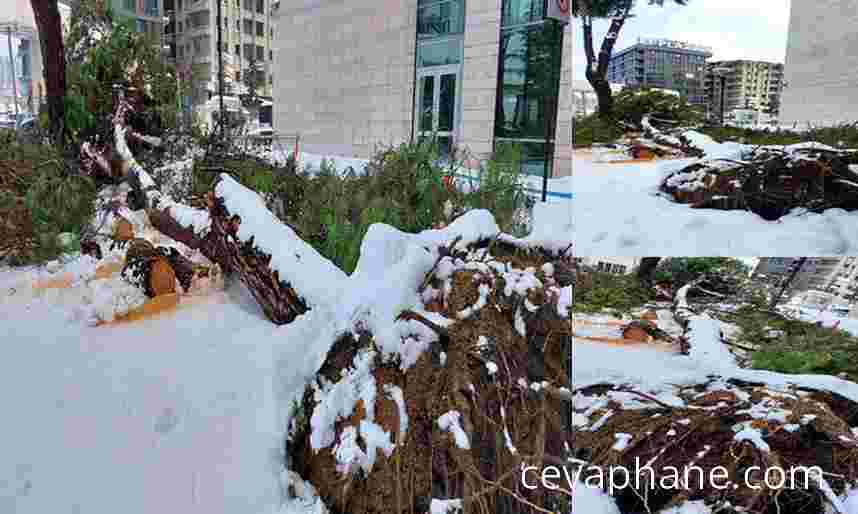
(770, 182)
(470, 390)
(710, 418)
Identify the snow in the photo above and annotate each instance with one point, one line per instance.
(552, 227)
(618, 211)
(623, 441)
(592, 500)
(337, 401)
(449, 421)
(395, 394)
(748, 433)
(187, 411)
(315, 278)
(445, 506)
(691, 507)
(172, 414)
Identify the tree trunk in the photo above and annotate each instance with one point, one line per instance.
(597, 66)
(49, 23)
(605, 98)
(646, 270)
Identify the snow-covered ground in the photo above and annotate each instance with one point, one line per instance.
(188, 411)
(617, 211)
(175, 414)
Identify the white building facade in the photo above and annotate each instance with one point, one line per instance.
(475, 73)
(821, 68)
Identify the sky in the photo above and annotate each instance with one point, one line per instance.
(734, 29)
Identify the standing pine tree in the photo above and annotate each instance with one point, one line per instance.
(253, 79)
(597, 64)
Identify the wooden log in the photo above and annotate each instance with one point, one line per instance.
(123, 230)
(154, 275)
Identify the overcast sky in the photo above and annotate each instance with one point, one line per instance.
(735, 29)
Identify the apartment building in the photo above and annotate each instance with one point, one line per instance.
(844, 279)
(192, 35)
(663, 64)
(148, 15)
(477, 73)
(616, 265)
(21, 56)
(748, 85)
(821, 67)
(817, 273)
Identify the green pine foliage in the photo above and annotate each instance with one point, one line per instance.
(402, 186)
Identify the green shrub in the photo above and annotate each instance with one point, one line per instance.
(56, 200)
(618, 294)
(594, 129)
(402, 186)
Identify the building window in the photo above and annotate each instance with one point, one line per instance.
(248, 5)
(260, 53)
(141, 26)
(518, 12)
(270, 55)
(260, 6)
(440, 18)
(528, 87)
(439, 53)
(179, 6)
(248, 27)
(260, 29)
(180, 26)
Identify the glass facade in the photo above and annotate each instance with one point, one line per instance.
(440, 52)
(528, 81)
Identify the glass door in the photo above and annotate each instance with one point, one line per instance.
(437, 106)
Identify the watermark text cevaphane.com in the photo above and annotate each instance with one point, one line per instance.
(690, 477)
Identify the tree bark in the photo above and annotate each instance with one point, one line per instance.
(646, 270)
(49, 23)
(597, 66)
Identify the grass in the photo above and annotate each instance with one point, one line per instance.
(801, 348)
(619, 294)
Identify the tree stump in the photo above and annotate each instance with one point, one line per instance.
(123, 230)
(153, 274)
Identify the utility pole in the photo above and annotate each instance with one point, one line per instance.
(796, 267)
(220, 68)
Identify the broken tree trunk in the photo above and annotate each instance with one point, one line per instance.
(153, 274)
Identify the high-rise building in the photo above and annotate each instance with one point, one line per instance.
(192, 35)
(351, 76)
(663, 64)
(148, 15)
(817, 273)
(821, 64)
(749, 85)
